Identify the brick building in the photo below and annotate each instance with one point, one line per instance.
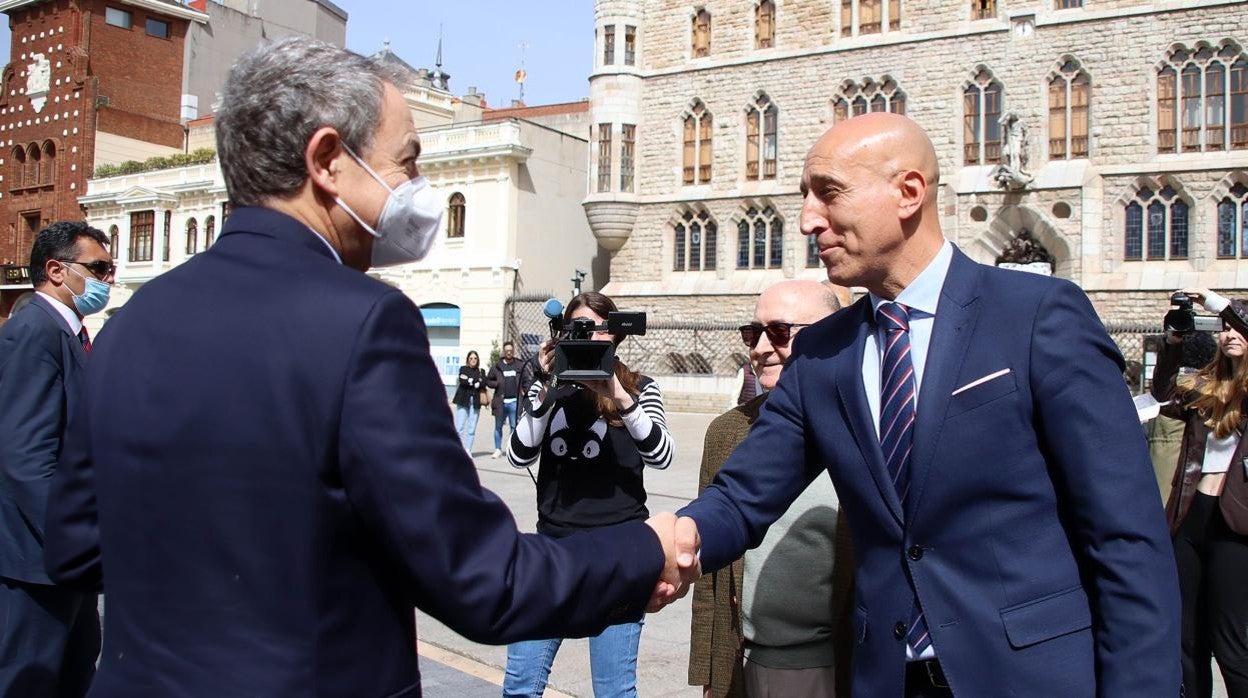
(1129, 121)
(88, 82)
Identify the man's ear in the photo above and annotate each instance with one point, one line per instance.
(54, 271)
(912, 190)
(323, 159)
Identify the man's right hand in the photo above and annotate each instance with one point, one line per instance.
(681, 568)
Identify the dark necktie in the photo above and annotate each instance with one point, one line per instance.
(897, 413)
(85, 338)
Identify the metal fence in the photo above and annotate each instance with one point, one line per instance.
(675, 347)
(669, 347)
(1138, 344)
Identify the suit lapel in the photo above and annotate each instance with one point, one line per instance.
(857, 413)
(951, 335)
(75, 344)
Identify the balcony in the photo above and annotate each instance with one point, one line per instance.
(503, 139)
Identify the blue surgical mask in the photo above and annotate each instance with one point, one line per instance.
(94, 295)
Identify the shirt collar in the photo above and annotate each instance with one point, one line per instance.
(332, 251)
(71, 318)
(923, 294)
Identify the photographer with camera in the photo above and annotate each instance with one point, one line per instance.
(1208, 506)
(593, 439)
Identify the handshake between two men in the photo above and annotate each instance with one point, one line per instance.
(681, 568)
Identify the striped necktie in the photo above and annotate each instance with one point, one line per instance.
(85, 338)
(898, 390)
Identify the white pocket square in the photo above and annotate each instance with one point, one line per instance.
(980, 381)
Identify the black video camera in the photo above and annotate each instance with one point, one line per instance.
(1183, 320)
(577, 356)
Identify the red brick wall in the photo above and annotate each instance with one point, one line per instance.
(141, 76)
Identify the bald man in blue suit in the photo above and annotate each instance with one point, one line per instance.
(1007, 533)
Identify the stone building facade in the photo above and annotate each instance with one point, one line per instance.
(1133, 170)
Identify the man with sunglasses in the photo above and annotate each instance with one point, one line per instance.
(773, 623)
(983, 443)
(49, 635)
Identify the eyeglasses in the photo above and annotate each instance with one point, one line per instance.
(99, 268)
(778, 333)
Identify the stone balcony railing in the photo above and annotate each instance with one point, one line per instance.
(446, 143)
(177, 179)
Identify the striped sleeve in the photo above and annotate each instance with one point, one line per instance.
(648, 426)
(526, 439)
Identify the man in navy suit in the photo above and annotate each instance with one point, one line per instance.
(49, 635)
(265, 478)
(977, 427)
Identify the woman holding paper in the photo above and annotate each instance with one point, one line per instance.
(1208, 506)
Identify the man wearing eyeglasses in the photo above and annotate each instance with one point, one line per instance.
(49, 635)
(773, 623)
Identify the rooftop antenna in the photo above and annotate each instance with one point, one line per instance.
(438, 62)
(521, 75)
(440, 78)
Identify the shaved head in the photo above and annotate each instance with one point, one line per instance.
(797, 303)
(885, 142)
(869, 194)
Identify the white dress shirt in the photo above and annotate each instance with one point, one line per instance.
(921, 297)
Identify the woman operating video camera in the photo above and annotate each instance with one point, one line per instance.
(1208, 506)
(593, 439)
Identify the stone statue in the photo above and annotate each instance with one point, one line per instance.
(1012, 172)
(38, 79)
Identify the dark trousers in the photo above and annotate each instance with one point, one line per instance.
(1213, 567)
(49, 641)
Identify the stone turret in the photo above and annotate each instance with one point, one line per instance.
(615, 89)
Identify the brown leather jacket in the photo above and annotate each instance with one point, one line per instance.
(1234, 499)
(715, 647)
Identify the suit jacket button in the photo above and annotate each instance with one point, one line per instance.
(899, 630)
(915, 553)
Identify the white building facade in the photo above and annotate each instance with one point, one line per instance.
(514, 222)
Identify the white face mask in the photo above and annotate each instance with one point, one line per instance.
(409, 222)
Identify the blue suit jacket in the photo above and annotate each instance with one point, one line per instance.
(1033, 533)
(41, 364)
(266, 480)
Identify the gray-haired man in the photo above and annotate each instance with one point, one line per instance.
(268, 490)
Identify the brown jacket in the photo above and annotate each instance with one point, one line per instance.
(715, 647)
(1234, 499)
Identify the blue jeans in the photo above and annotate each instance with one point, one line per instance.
(612, 663)
(509, 413)
(466, 424)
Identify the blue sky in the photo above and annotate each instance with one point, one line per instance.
(481, 41)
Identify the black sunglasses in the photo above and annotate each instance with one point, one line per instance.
(778, 333)
(99, 268)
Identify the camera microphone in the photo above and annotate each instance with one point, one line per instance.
(552, 308)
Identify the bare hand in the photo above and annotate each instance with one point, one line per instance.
(610, 388)
(546, 356)
(1198, 295)
(665, 587)
(688, 545)
(682, 568)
